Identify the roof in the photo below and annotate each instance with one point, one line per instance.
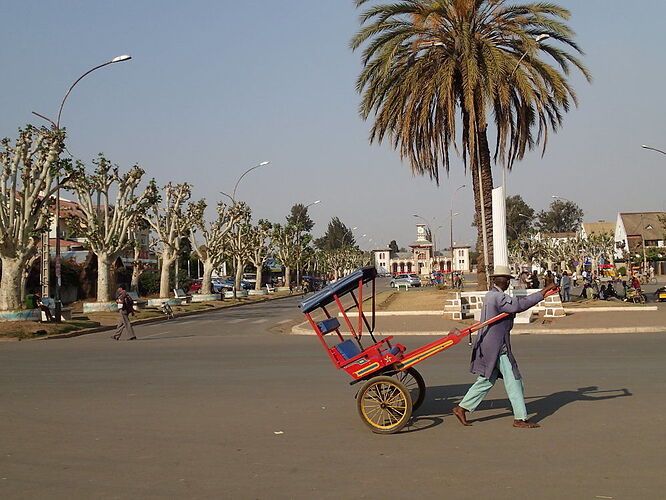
(422, 243)
(645, 224)
(596, 228)
(558, 235)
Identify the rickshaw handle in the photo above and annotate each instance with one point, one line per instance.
(477, 326)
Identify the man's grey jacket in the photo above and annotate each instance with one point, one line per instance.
(491, 339)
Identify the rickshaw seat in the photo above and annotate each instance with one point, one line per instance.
(348, 349)
(328, 325)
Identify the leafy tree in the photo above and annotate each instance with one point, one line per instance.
(394, 246)
(28, 180)
(433, 66)
(302, 224)
(519, 217)
(562, 216)
(337, 236)
(108, 227)
(299, 217)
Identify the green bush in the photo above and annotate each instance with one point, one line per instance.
(149, 283)
(622, 271)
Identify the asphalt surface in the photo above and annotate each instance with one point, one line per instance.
(222, 405)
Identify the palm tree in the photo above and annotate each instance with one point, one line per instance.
(431, 66)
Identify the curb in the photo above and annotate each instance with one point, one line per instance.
(300, 330)
(78, 333)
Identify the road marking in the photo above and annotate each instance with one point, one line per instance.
(234, 321)
(283, 322)
(259, 321)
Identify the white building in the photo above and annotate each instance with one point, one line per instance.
(635, 231)
(423, 258)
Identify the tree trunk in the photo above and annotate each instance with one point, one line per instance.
(103, 265)
(207, 280)
(165, 274)
(11, 284)
(259, 266)
(137, 271)
(239, 273)
(487, 183)
(287, 275)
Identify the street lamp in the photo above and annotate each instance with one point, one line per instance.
(233, 194)
(653, 149)
(451, 221)
(56, 124)
(560, 198)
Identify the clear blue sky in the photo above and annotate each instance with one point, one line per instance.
(215, 87)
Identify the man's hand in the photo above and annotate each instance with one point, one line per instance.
(548, 289)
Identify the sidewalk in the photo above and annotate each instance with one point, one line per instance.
(576, 322)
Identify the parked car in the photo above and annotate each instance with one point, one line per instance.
(218, 286)
(411, 279)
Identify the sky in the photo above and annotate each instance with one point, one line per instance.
(216, 87)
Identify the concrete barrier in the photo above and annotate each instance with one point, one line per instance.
(89, 307)
(257, 292)
(170, 300)
(207, 297)
(24, 315)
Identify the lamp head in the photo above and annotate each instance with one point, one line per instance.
(264, 163)
(122, 58)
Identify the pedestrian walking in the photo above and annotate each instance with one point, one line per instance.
(126, 306)
(574, 278)
(565, 287)
(492, 355)
(534, 280)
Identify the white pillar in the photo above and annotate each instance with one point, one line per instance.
(500, 247)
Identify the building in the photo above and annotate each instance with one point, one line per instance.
(423, 258)
(635, 231)
(596, 228)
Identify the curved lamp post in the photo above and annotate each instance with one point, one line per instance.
(233, 194)
(653, 149)
(56, 124)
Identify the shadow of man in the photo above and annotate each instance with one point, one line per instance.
(544, 406)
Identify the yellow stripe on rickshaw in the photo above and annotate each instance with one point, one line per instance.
(412, 360)
(367, 369)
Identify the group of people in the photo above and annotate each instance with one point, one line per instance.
(591, 284)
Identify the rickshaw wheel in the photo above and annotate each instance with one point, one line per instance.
(415, 384)
(384, 404)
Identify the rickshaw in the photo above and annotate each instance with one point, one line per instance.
(391, 387)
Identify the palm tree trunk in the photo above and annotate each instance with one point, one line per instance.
(487, 184)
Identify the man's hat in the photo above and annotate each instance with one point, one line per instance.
(501, 271)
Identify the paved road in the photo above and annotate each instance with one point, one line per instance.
(192, 409)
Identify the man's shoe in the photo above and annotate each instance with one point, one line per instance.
(132, 338)
(525, 424)
(459, 412)
(115, 337)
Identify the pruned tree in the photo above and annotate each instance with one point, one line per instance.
(30, 169)
(214, 236)
(283, 238)
(167, 219)
(260, 247)
(111, 204)
(239, 242)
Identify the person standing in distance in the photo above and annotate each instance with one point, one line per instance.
(492, 353)
(125, 305)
